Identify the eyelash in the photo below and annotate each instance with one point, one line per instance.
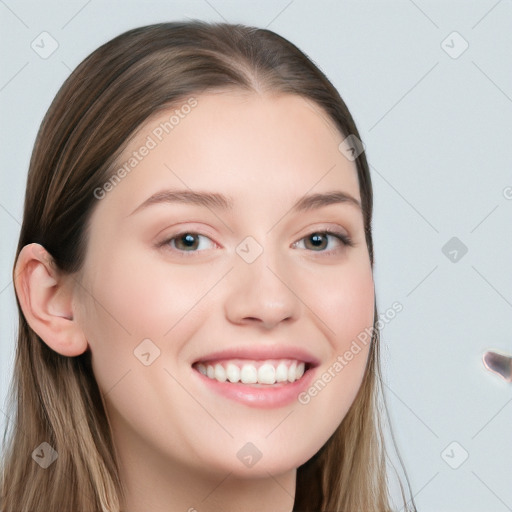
(343, 238)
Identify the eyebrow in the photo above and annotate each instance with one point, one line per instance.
(218, 201)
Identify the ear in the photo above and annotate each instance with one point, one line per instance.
(46, 299)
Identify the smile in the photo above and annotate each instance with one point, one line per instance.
(267, 372)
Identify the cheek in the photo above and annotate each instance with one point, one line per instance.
(344, 301)
(130, 298)
(351, 316)
(144, 296)
(346, 309)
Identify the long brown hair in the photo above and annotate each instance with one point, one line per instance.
(95, 113)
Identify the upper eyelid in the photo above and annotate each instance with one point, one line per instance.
(326, 226)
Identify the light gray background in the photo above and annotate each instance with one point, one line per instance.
(437, 132)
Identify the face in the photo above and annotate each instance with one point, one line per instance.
(250, 286)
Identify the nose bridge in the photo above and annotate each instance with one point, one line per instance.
(259, 288)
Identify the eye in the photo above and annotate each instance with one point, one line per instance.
(319, 240)
(190, 241)
(187, 241)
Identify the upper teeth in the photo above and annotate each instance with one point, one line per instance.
(265, 372)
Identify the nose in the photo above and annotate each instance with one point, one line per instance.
(261, 293)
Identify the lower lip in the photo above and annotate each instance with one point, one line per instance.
(270, 396)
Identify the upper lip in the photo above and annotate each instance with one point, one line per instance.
(261, 352)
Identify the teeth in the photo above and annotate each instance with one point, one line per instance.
(281, 373)
(292, 371)
(220, 373)
(249, 374)
(267, 372)
(233, 372)
(300, 371)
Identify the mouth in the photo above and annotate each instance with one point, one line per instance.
(253, 372)
(262, 376)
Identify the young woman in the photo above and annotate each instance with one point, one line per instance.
(198, 326)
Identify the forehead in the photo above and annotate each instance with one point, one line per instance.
(271, 145)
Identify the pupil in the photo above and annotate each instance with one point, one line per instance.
(317, 239)
(188, 240)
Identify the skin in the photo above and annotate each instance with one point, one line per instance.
(175, 439)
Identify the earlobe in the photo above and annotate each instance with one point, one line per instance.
(45, 297)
